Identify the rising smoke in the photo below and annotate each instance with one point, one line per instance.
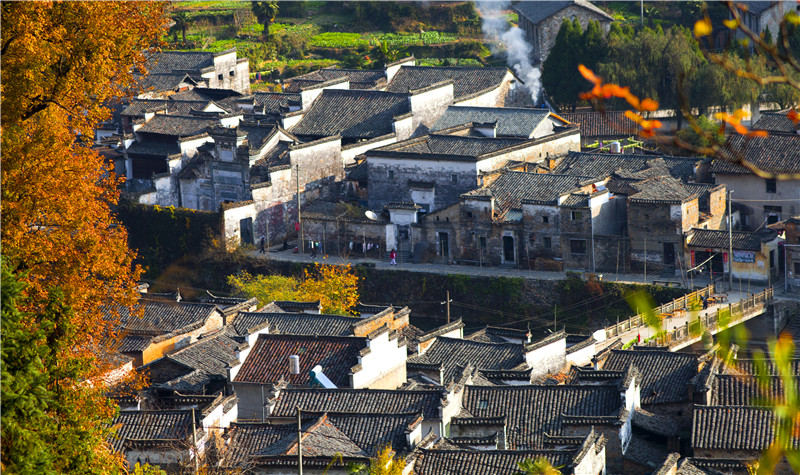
(496, 28)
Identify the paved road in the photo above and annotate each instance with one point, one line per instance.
(462, 269)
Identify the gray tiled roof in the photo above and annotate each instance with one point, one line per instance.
(663, 189)
(268, 361)
(595, 124)
(711, 466)
(208, 359)
(138, 107)
(665, 374)
(511, 189)
(735, 428)
(466, 81)
(352, 114)
(161, 317)
(730, 390)
(532, 411)
(775, 122)
(151, 426)
(485, 462)
(160, 82)
(156, 148)
(296, 323)
(742, 240)
(541, 10)
(597, 164)
(748, 367)
(360, 401)
(454, 352)
(176, 125)
(772, 154)
(359, 78)
(170, 61)
(511, 122)
(447, 147)
(275, 102)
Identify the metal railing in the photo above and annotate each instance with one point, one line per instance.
(638, 320)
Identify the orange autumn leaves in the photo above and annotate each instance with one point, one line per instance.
(602, 91)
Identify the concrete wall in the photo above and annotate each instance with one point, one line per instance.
(752, 191)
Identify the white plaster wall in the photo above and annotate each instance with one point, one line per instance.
(350, 152)
(404, 128)
(581, 357)
(231, 121)
(289, 121)
(543, 129)
(547, 358)
(393, 69)
(428, 106)
(752, 191)
(402, 217)
(230, 223)
(603, 219)
(310, 94)
(189, 147)
(384, 358)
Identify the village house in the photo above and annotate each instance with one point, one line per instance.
(600, 129)
(454, 456)
(330, 441)
(223, 70)
(541, 21)
(762, 200)
(163, 438)
(376, 361)
(755, 253)
(776, 123)
(502, 121)
(434, 170)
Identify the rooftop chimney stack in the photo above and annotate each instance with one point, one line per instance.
(294, 364)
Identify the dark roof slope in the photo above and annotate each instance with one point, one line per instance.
(359, 78)
(296, 323)
(730, 390)
(352, 114)
(597, 164)
(447, 147)
(663, 189)
(361, 401)
(775, 122)
(454, 352)
(742, 240)
(485, 462)
(206, 360)
(160, 317)
(170, 61)
(665, 375)
(511, 122)
(542, 10)
(735, 428)
(466, 81)
(532, 411)
(151, 426)
(595, 124)
(176, 125)
(772, 154)
(512, 188)
(268, 361)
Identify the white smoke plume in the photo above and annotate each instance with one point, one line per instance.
(496, 28)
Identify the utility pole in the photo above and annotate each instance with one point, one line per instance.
(447, 305)
(645, 260)
(194, 446)
(730, 242)
(555, 317)
(299, 444)
(301, 246)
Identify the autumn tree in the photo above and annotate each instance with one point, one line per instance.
(384, 463)
(62, 62)
(335, 287)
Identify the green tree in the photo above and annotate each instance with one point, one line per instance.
(560, 64)
(181, 20)
(52, 421)
(265, 13)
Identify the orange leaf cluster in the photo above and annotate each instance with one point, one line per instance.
(793, 116)
(735, 121)
(602, 91)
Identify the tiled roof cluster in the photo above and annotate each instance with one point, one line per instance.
(664, 189)
(775, 122)
(154, 148)
(735, 428)
(274, 102)
(176, 125)
(511, 122)
(596, 164)
(665, 374)
(159, 317)
(772, 154)
(485, 462)
(511, 189)
(741, 240)
(532, 411)
(169, 61)
(450, 146)
(451, 353)
(209, 359)
(359, 78)
(268, 361)
(353, 114)
(466, 81)
(609, 124)
(742, 390)
(359, 401)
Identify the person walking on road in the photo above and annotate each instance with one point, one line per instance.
(393, 257)
(262, 246)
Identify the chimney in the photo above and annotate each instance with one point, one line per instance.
(294, 364)
(615, 147)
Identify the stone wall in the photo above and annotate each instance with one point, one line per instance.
(542, 37)
(649, 227)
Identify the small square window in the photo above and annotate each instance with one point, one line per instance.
(454, 178)
(469, 214)
(548, 242)
(219, 76)
(577, 246)
(772, 185)
(545, 219)
(232, 73)
(391, 174)
(797, 269)
(483, 242)
(576, 215)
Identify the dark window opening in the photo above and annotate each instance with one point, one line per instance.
(391, 174)
(797, 269)
(576, 215)
(219, 76)
(232, 73)
(772, 185)
(577, 246)
(483, 242)
(545, 219)
(469, 214)
(454, 178)
(548, 242)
